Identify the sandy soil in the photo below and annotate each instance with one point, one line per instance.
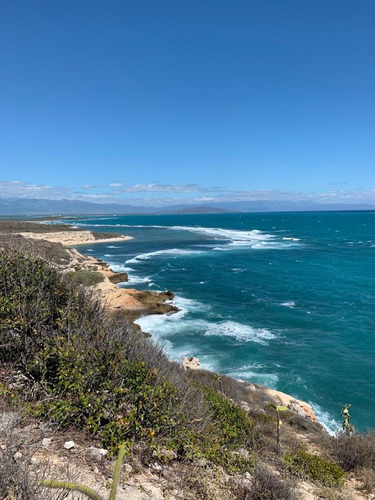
(72, 238)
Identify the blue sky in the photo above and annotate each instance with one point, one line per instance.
(144, 101)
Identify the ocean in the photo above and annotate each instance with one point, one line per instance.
(281, 299)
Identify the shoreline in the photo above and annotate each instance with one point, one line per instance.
(72, 238)
(133, 303)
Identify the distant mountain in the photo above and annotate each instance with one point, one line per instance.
(31, 206)
(193, 209)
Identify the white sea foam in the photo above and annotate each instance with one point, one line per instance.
(108, 255)
(267, 379)
(327, 421)
(171, 251)
(119, 268)
(289, 303)
(233, 237)
(242, 333)
(113, 246)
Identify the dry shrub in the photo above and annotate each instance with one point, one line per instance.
(19, 477)
(367, 478)
(355, 451)
(268, 486)
(333, 494)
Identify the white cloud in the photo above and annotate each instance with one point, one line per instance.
(17, 189)
(159, 195)
(162, 188)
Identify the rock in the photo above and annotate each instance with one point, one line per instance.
(8, 420)
(46, 442)
(245, 406)
(128, 468)
(201, 462)
(68, 445)
(156, 467)
(280, 398)
(118, 278)
(191, 363)
(17, 455)
(243, 453)
(97, 453)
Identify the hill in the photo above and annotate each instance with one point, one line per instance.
(74, 368)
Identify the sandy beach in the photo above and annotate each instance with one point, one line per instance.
(71, 238)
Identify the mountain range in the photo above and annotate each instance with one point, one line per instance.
(34, 206)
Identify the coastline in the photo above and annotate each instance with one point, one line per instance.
(133, 303)
(72, 238)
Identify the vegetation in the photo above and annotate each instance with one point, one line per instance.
(89, 492)
(86, 278)
(88, 371)
(305, 464)
(354, 452)
(84, 370)
(268, 486)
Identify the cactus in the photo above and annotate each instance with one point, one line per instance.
(346, 425)
(90, 493)
(278, 424)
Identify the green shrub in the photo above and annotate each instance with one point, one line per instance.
(314, 467)
(86, 278)
(92, 372)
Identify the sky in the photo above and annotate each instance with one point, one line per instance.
(158, 102)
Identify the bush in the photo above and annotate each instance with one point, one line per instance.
(304, 464)
(268, 486)
(354, 451)
(19, 478)
(96, 373)
(86, 278)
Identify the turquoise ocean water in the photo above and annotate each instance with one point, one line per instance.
(282, 299)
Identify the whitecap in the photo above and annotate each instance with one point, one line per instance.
(113, 246)
(289, 303)
(328, 422)
(118, 268)
(242, 333)
(108, 255)
(171, 251)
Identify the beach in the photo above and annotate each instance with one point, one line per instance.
(72, 238)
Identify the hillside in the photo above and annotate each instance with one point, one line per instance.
(74, 370)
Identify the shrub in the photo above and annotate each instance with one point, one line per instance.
(268, 486)
(354, 451)
(96, 373)
(86, 278)
(19, 478)
(314, 467)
